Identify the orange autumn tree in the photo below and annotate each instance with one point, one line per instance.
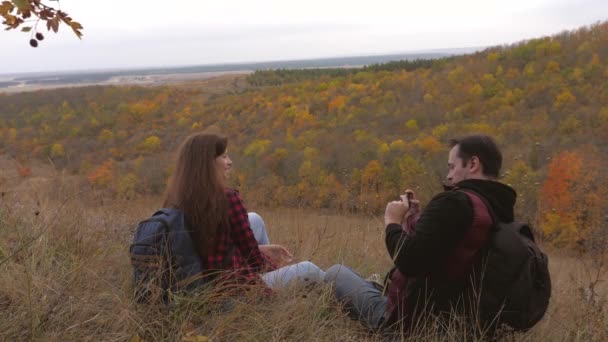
(569, 207)
(102, 175)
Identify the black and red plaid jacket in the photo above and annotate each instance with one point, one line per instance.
(239, 244)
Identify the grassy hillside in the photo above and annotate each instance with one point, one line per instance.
(65, 276)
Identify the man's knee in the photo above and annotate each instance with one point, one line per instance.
(332, 273)
(308, 271)
(308, 266)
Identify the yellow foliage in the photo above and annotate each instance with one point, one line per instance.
(106, 135)
(499, 70)
(137, 162)
(306, 170)
(552, 66)
(257, 147)
(126, 185)
(476, 90)
(151, 144)
(136, 338)
(67, 116)
(518, 173)
(577, 75)
(310, 153)
(481, 128)
(383, 149)
(94, 122)
(280, 153)
(304, 118)
(563, 99)
(411, 125)
(371, 173)
(569, 125)
(488, 78)
(427, 98)
(512, 74)
(493, 56)
(439, 131)
(560, 230)
(429, 144)
(290, 112)
(142, 109)
(337, 104)
(12, 135)
(397, 145)
(57, 150)
(584, 47)
(362, 135)
(182, 121)
(603, 115)
(456, 74)
(529, 69)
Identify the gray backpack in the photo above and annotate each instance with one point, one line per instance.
(163, 257)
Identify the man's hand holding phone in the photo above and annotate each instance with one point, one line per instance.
(395, 212)
(413, 204)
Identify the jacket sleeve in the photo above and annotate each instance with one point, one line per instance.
(441, 226)
(242, 235)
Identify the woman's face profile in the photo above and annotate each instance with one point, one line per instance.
(223, 164)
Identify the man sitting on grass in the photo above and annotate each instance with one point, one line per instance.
(437, 253)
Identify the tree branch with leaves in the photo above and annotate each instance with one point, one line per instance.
(27, 14)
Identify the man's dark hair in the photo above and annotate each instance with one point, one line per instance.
(484, 148)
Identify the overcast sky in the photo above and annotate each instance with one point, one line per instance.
(127, 33)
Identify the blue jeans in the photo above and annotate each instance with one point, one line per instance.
(362, 299)
(305, 271)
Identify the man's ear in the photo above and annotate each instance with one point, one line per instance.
(475, 165)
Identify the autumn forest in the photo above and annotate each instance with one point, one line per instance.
(349, 140)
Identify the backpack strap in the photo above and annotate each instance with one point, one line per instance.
(473, 246)
(523, 229)
(475, 197)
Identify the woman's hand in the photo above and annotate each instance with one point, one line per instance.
(277, 254)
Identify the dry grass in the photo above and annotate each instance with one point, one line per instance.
(65, 276)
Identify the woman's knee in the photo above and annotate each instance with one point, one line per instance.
(255, 218)
(258, 227)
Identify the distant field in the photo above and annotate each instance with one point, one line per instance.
(158, 76)
(21, 85)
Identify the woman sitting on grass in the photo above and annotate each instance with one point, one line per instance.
(226, 238)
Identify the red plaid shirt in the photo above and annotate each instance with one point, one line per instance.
(247, 260)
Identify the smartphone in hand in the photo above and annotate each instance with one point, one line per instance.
(410, 197)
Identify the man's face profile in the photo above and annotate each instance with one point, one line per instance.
(456, 170)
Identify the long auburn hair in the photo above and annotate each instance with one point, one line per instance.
(198, 189)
